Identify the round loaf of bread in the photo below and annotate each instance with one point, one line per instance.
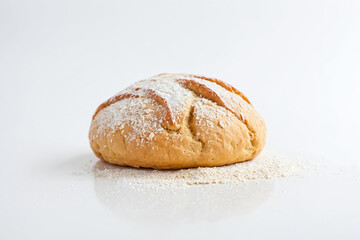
(173, 121)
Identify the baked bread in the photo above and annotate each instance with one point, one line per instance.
(173, 121)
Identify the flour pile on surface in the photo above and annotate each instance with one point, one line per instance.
(265, 166)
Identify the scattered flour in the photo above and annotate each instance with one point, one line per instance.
(265, 166)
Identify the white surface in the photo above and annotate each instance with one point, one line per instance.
(297, 61)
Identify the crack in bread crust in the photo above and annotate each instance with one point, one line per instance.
(189, 125)
(251, 134)
(224, 85)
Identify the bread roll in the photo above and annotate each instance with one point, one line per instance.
(173, 121)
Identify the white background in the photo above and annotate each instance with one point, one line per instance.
(297, 61)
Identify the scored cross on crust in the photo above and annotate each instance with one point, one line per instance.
(171, 92)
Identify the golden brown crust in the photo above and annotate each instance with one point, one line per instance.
(216, 127)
